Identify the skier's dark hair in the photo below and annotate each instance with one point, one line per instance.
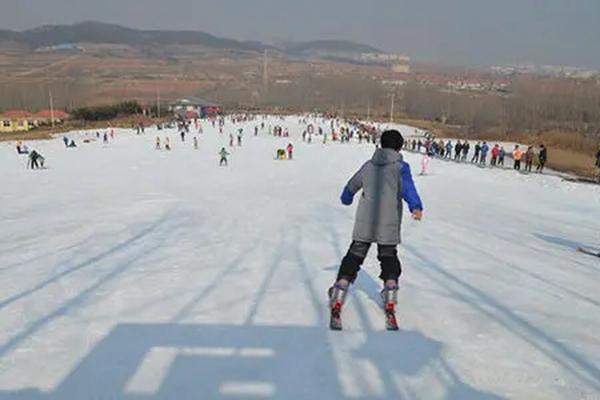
(392, 139)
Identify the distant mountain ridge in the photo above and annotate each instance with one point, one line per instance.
(98, 32)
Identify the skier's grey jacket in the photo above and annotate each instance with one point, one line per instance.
(385, 180)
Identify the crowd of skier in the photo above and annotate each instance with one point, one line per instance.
(460, 151)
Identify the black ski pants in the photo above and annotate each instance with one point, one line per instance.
(354, 258)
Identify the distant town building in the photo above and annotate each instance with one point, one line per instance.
(19, 121)
(195, 108)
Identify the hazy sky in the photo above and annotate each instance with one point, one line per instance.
(565, 32)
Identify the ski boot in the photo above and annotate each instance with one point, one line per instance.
(337, 296)
(389, 296)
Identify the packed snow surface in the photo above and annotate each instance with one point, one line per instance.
(133, 273)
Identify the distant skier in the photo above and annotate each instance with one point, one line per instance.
(239, 137)
(157, 147)
(231, 140)
(425, 163)
(542, 158)
(484, 151)
(167, 143)
(36, 160)
(223, 153)
(66, 141)
(105, 138)
(475, 158)
(290, 151)
(529, 159)
(495, 153)
(465, 151)
(501, 155)
(517, 155)
(195, 142)
(385, 180)
(182, 134)
(457, 150)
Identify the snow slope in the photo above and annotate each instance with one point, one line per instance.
(129, 273)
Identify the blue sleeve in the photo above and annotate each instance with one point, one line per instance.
(347, 196)
(409, 191)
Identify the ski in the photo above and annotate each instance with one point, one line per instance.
(589, 251)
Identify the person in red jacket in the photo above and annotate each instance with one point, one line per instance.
(495, 153)
(290, 151)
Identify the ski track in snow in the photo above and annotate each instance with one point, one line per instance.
(130, 273)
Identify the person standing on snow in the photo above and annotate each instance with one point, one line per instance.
(290, 151)
(195, 142)
(475, 158)
(385, 180)
(517, 155)
(457, 150)
(157, 147)
(223, 153)
(495, 153)
(542, 158)
(465, 151)
(231, 140)
(239, 137)
(529, 159)
(501, 155)
(484, 150)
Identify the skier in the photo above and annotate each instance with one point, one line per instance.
(425, 163)
(34, 158)
(290, 151)
(529, 159)
(449, 149)
(385, 180)
(495, 153)
(457, 150)
(517, 155)
(195, 142)
(465, 151)
(484, 150)
(501, 155)
(223, 153)
(231, 140)
(182, 134)
(157, 147)
(105, 138)
(476, 155)
(239, 137)
(66, 141)
(542, 158)
(167, 143)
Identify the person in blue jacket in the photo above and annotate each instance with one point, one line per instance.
(385, 180)
(484, 151)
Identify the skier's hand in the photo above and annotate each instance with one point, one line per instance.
(417, 215)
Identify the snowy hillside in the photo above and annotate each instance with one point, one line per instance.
(131, 273)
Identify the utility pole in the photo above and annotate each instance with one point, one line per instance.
(392, 108)
(158, 101)
(51, 106)
(265, 72)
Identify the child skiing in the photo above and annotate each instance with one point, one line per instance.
(385, 180)
(223, 153)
